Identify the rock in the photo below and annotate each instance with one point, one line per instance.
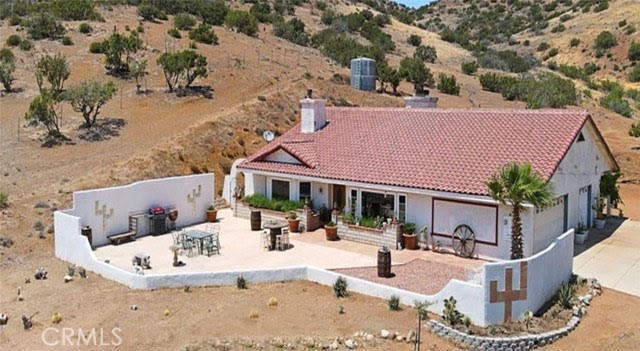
(399, 338)
(133, 307)
(68, 278)
(333, 345)
(411, 335)
(369, 337)
(576, 311)
(587, 299)
(349, 344)
(384, 334)
(583, 311)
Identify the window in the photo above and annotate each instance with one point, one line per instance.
(305, 191)
(353, 202)
(279, 189)
(402, 208)
(377, 204)
(580, 137)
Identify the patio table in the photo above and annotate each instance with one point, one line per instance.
(198, 235)
(275, 228)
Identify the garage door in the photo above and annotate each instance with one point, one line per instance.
(549, 223)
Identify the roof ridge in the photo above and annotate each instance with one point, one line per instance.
(467, 110)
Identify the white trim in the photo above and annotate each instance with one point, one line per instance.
(270, 185)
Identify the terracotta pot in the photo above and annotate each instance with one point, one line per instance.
(294, 225)
(332, 233)
(410, 241)
(212, 215)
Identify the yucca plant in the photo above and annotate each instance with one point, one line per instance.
(241, 283)
(71, 271)
(340, 287)
(82, 272)
(565, 295)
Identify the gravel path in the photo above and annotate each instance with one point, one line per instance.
(420, 276)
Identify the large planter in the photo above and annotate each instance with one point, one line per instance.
(599, 223)
(580, 238)
(331, 233)
(212, 215)
(294, 225)
(410, 241)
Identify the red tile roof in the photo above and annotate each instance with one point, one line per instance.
(451, 150)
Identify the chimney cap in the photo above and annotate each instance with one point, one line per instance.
(309, 93)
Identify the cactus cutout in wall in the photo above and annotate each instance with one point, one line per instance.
(104, 213)
(193, 197)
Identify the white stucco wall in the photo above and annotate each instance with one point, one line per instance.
(190, 195)
(281, 156)
(546, 272)
(582, 166)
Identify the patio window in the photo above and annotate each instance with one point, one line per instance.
(353, 202)
(305, 191)
(402, 208)
(377, 204)
(279, 189)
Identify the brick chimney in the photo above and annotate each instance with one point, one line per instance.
(314, 113)
(421, 99)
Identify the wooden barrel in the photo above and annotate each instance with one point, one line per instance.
(384, 263)
(256, 220)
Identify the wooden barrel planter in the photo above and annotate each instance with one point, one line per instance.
(256, 220)
(384, 263)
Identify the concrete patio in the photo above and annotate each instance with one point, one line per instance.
(612, 255)
(241, 250)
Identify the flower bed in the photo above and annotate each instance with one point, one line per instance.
(260, 201)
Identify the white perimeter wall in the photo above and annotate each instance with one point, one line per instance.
(191, 195)
(546, 272)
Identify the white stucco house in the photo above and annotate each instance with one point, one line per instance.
(429, 166)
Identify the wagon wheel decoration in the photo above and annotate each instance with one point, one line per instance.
(464, 241)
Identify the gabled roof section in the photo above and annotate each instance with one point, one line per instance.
(454, 150)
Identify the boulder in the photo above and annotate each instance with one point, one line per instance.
(384, 334)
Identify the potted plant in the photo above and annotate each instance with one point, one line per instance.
(212, 213)
(598, 206)
(410, 237)
(331, 231)
(582, 233)
(294, 222)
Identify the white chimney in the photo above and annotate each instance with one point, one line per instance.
(314, 113)
(421, 99)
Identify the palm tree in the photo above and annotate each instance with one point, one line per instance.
(516, 184)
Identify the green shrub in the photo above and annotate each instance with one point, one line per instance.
(507, 60)
(293, 31)
(66, 41)
(574, 42)
(341, 288)
(140, 29)
(634, 52)
(565, 17)
(541, 91)
(85, 28)
(368, 222)
(148, 12)
(469, 68)
(605, 40)
(622, 23)
(4, 200)
(601, 6)
(559, 28)
(377, 37)
(260, 201)
(448, 85)
(44, 26)
(26, 45)
(184, 21)
(553, 52)
(426, 53)
(15, 20)
(262, 12)
(342, 48)
(590, 68)
(7, 55)
(241, 282)
(241, 22)
(526, 42)
(74, 10)
(630, 29)
(414, 40)
(543, 46)
(14, 40)
(634, 75)
(320, 5)
(203, 34)
(634, 131)
(174, 32)
(97, 47)
(615, 102)
(394, 303)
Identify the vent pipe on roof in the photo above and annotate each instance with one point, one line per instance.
(421, 99)
(314, 113)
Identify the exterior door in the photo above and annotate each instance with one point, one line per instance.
(338, 197)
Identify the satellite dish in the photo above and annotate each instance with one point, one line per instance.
(268, 136)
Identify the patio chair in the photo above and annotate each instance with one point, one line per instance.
(210, 245)
(215, 230)
(265, 241)
(285, 238)
(188, 245)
